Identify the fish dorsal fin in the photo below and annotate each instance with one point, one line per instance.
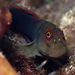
(36, 18)
(28, 50)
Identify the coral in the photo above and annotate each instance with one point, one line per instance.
(34, 3)
(67, 24)
(5, 20)
(54, 10)
(5, 3)
(5, 67)
(5, 15)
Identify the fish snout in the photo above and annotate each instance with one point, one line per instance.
(61, 41)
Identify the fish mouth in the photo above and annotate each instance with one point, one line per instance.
(47, 56)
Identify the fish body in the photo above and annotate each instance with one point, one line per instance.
(47, 39)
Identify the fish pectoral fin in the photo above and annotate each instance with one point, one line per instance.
(41, 65)
(28, 50)
(23, 45)
(29, 44)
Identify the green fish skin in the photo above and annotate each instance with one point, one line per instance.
(47, 39)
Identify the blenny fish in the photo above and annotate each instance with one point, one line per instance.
(47, 39)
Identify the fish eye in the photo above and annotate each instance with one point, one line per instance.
(48, 34)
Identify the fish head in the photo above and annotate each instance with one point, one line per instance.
(50, 41)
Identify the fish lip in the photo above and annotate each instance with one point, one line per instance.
(47, 56)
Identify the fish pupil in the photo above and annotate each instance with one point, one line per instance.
(48, 34)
